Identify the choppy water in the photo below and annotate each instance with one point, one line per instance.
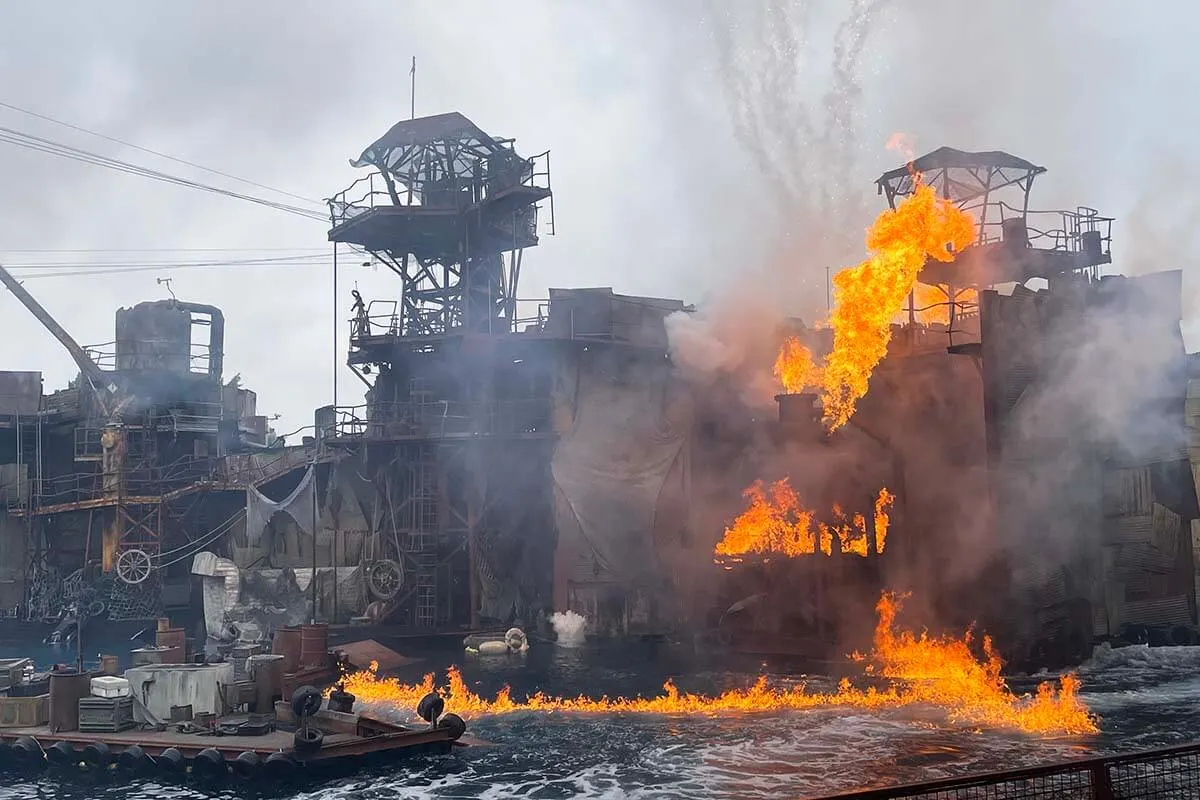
(1146, 697)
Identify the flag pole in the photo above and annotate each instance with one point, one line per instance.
(412, 92)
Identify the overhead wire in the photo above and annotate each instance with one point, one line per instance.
(177, 160)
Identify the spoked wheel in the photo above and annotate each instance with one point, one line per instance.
(385, 579)
(134, 566)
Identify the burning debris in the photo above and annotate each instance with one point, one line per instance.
(778, 523)
(921, 670)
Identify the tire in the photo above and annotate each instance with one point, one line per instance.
(307, 741)
(62, 754)
(306, 701)
(431, 707)
(279, 768)
(171, 761)
(210, 764)
(96, 756)
(246, 766)
(341, 701)
(133, 761)
(454, 723)
(28, 754)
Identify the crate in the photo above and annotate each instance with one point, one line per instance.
(108, 686)
(24, 712)
(12, 671)
(105, 714)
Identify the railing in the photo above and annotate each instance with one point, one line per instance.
(1063, 231)
(442, 418)
(1165, 774)
(197, 357)
(461, 190)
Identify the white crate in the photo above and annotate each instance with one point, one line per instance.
(109, 686)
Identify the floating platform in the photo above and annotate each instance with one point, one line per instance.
(272, 756)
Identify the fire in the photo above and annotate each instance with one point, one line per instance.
(795, 367)
(776, 522)
(938, 671)
(932, 304)
(868, 297)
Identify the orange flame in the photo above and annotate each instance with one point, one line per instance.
(776, 522)
(939, 671)
(795, 367)
(868, 297)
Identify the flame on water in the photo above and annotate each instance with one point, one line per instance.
(868, 297)
(922, 669)
(776, 522)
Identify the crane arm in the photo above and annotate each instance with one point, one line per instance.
(87, 366)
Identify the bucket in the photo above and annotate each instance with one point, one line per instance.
(109, 665)
(314, 642)
(287, 644)
(67, 687)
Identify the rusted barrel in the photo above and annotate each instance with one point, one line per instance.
(67, 687)
(267, 673)
(109, 665)
(314, 641)
(287, 644)
(175, 639)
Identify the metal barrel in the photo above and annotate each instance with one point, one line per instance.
(287, 644)
(67, 687)
(314, 642)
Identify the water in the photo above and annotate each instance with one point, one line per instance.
(568, 628)
(1146, 697)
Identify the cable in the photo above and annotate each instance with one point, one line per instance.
(155, 152)
(40, 144)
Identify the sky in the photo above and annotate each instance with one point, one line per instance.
(700, 149)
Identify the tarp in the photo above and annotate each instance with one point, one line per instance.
(298, 505)
(610, 466)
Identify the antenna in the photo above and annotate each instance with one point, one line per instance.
(167, 281)
(412, 92)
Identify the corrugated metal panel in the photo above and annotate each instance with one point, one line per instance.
(1099, 620)
(1133, 559)
(1168, 527)
(1167, 611)
(1127, 492)
(1129, 530)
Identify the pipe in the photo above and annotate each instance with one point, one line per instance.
(86, 365)
(216, 335)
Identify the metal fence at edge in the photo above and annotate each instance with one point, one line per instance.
(1170, 773)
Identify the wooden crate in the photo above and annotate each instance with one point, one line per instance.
(24, 712)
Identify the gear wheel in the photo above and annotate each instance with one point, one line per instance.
(385, 579)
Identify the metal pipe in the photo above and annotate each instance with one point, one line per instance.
(216, 335)
(86, 365)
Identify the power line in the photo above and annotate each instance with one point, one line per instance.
(154, 152)
(170, 250)
(41, 144)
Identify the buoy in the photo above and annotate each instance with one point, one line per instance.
(245, 766)
(96, 756)
(134, 761)
(28, 754)
(170, 761)
(279, 767)
(453, 723)
(431, 707)
(516, 640)
(62, 754)
(494, 647)
(209, 764)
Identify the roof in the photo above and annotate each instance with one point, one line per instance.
(949, 158)
(422, 131)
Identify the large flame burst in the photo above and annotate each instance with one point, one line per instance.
(868, 297)
(776, 521)
(922, 669)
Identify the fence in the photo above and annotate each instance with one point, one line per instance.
(1171, 773)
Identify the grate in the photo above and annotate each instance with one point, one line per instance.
(1173, 776)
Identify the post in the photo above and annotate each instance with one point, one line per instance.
(412, 91)
(335, 331)
(315, 522)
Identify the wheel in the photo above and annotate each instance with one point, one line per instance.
(134, 566)
(97, 756)
(245, 766)
(209, 764)
(431, 707)
(62, 754)
(385, 579)
(171, 761)
(453, 723)
(279, 767)
(134, 761)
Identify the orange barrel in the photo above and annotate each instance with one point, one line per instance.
(287, 644)
(109, 665)
(314, 642)
(67, 688)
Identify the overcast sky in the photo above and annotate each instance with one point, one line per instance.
(656, 193)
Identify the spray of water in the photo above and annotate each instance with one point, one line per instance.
(568, 626)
